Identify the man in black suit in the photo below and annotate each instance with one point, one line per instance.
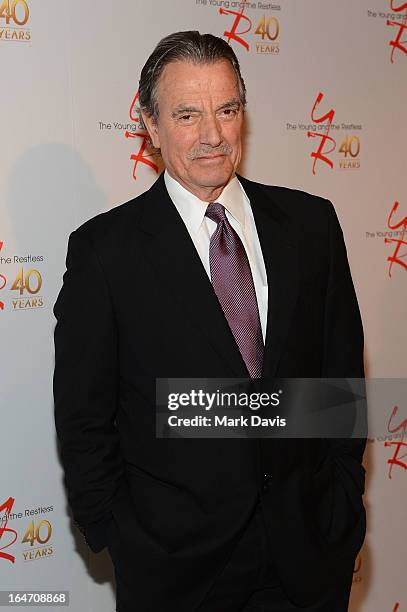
(150, 291)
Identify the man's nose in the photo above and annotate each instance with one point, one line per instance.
(210, 131)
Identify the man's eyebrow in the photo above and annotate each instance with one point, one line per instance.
(229, 104)
(183, 109)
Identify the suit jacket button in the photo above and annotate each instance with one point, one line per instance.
(266, 482)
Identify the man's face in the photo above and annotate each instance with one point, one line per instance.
(199, 124)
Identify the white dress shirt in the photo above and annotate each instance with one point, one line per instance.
(240, 216)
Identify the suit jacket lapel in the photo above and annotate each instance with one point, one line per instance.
(179, 267)
(281, 259)
(177, 263)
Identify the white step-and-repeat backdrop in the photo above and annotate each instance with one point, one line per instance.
(327, 100)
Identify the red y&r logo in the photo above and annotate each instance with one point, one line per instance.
(396, 257)
(7, 506)
(398, 444)
(268, 28)
(233, 34)
(397, 43)
(139, 157)
(320, 153)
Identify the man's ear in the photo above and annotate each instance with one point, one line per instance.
(151, 126)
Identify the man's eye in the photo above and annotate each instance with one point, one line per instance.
(229, 112)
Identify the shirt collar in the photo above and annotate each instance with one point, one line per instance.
(192, 209)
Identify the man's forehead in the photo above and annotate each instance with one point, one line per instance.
(188, 78)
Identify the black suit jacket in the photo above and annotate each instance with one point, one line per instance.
(137, 304)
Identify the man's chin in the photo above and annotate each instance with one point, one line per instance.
(213, 180)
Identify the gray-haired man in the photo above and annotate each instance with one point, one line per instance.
(209, 275)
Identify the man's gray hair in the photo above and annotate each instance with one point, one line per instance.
(189, 46)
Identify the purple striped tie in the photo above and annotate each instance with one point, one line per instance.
(233, 284)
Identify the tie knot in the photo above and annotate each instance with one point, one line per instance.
(216, 212)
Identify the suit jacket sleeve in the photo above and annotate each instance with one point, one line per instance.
(343, 358)
(85, 391)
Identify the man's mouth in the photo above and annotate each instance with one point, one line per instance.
(215, 156)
